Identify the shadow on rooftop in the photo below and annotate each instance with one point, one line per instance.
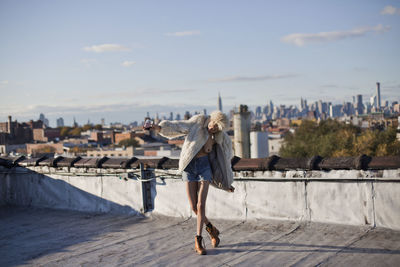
(29, 231)
(297, 248)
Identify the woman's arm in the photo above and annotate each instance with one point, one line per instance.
(227, 148)
(171, 129)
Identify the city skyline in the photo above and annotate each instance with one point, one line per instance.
(94, 59)
(359, 105)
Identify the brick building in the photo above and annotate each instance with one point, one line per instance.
(12, 132)
(35, 149)
(122, 136)
(46, 134)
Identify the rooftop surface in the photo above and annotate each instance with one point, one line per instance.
(44, 237)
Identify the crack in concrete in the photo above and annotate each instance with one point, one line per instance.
(269, 241)
(327, 259)
(373, 203)
(308, 209)
(245, 202)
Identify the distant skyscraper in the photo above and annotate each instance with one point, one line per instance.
(302, 104)
(271, 106)
(258, 112)
(359, 105)
(187, 115)
(43, 119)
(219, 102)
(266, 110)
(335, 111)
(60, 122)
(75, 123)
(373, 101)
(103, 122)
(378, 96)
(319, 106)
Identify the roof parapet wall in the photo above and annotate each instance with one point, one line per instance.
(272, 163)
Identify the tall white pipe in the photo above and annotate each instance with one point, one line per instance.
(259, 144)
(241, 124)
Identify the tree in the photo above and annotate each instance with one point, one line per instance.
(64, 131)
(98, 127)
(334, 139)
(128, 142)
(75, 131)
(87, 127)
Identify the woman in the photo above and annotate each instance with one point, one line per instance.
(204, 135)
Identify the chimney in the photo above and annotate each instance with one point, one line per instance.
(241, 125)
(9, 125)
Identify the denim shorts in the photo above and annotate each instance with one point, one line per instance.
(199, 169)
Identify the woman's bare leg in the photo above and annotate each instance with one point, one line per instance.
(201, 206)
(192, 189)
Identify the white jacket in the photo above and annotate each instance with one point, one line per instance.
(196, 133)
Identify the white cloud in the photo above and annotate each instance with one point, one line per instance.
(4, 82)
(301, 39)
(252, 78)
(88, 62)
(106, 48)
(390, 10)
(128, 63)
(185, 33)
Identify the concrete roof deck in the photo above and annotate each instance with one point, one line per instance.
(32, 237)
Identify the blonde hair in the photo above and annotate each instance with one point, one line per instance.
(220, 119)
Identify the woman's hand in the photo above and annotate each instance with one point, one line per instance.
(156, 128)
(231, 189)
(149, 126)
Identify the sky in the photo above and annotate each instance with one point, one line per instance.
(119, 60)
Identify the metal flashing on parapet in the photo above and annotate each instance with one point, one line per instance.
(146, 188)
(273, 163)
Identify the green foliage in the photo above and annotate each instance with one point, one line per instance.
(334, 139)
(128, 142)
(98, 127)
(75, 131)
(64, 131)
(87, 127)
